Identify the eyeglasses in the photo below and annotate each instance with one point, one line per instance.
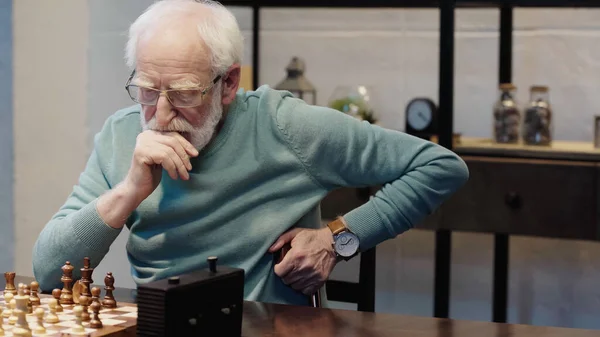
(179, 98)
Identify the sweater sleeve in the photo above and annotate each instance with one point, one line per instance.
(76, 230)
(338, 150)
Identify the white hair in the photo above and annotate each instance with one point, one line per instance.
(219, 30)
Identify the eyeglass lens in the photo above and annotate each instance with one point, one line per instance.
(176, 97)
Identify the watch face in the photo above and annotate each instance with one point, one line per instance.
(346, 244)
(419, 115)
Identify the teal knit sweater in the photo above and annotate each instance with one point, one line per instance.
(266, 171)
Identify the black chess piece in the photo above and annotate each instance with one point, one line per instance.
(84, 302)
(10, 282)
(56, 294)
(86, 278)
(109, 299)
(66, 294)
(33, 296)
(96, 307)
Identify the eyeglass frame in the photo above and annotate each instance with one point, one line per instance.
(166, 92)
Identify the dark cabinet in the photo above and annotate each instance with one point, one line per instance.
(548, 198)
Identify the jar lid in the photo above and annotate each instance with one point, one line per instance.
(507, 86)
(539, 88)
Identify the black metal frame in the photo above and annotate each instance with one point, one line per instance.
(446, 96)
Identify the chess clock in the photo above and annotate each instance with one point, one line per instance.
(421, 118)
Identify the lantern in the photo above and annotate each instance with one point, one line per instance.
(296, 83)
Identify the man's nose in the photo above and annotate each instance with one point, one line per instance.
(164, 111)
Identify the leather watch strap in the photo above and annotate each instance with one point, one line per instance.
(336, 226)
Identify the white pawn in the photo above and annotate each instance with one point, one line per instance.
(78, 326)
(8, 311)
(21, 309)
(52, 318)
(12, 320)
(21, 332)
(39, 329)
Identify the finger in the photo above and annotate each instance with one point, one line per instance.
(161, 157)
(280, 254)
(304, 285)
(180, 167)
(292, 278)
(189, 148)
(311, 290)
(284, 238)
(173, 136)
(172, 140)
(286, 266)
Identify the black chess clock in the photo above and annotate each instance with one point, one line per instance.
(421, 118)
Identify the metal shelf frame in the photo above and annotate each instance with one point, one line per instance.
(443, 241)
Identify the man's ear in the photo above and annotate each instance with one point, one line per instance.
(231, 83)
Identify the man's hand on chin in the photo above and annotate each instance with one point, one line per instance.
(310, 260)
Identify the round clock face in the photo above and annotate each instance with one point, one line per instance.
(419, 115)
(346, 244)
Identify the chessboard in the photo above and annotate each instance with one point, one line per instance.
(75, 310)
(119, 321)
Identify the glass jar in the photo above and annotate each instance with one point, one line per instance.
(356, 101)
(537, 123)
(507, 116)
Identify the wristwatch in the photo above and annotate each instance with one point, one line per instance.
(345, 243)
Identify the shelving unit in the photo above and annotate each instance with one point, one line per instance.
(445, 102)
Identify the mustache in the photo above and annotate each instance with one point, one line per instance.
(178, 124)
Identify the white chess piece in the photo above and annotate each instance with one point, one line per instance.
(39, 329)
(8, 310)
(21, 311)
(78, 326)
(21, 332)
(12, 320)
(52, 318)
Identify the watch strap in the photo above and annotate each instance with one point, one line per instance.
(336, 226)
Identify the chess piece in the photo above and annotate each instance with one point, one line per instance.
(33, 296)
(21, 332)
(12, 320)
(52, 318)
(56, 294)
(95, 322)
(109, 299)
(96, 295)
(84, 303)
(10, 283)
(66, 296)
(21, 310)
(8, 296)
(86, 277)
(39, 329)
(27, 293)
(78, 326)
(76, 290)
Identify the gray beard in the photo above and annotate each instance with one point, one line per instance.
(199, 136)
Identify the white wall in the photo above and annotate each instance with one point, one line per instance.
(50, 113)
(396, 51)
(6, 138)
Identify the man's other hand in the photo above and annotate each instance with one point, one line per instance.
(310, 260)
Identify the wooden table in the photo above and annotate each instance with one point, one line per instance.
(290, 321)
(270, 320)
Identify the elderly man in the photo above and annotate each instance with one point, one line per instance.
(199, 168)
